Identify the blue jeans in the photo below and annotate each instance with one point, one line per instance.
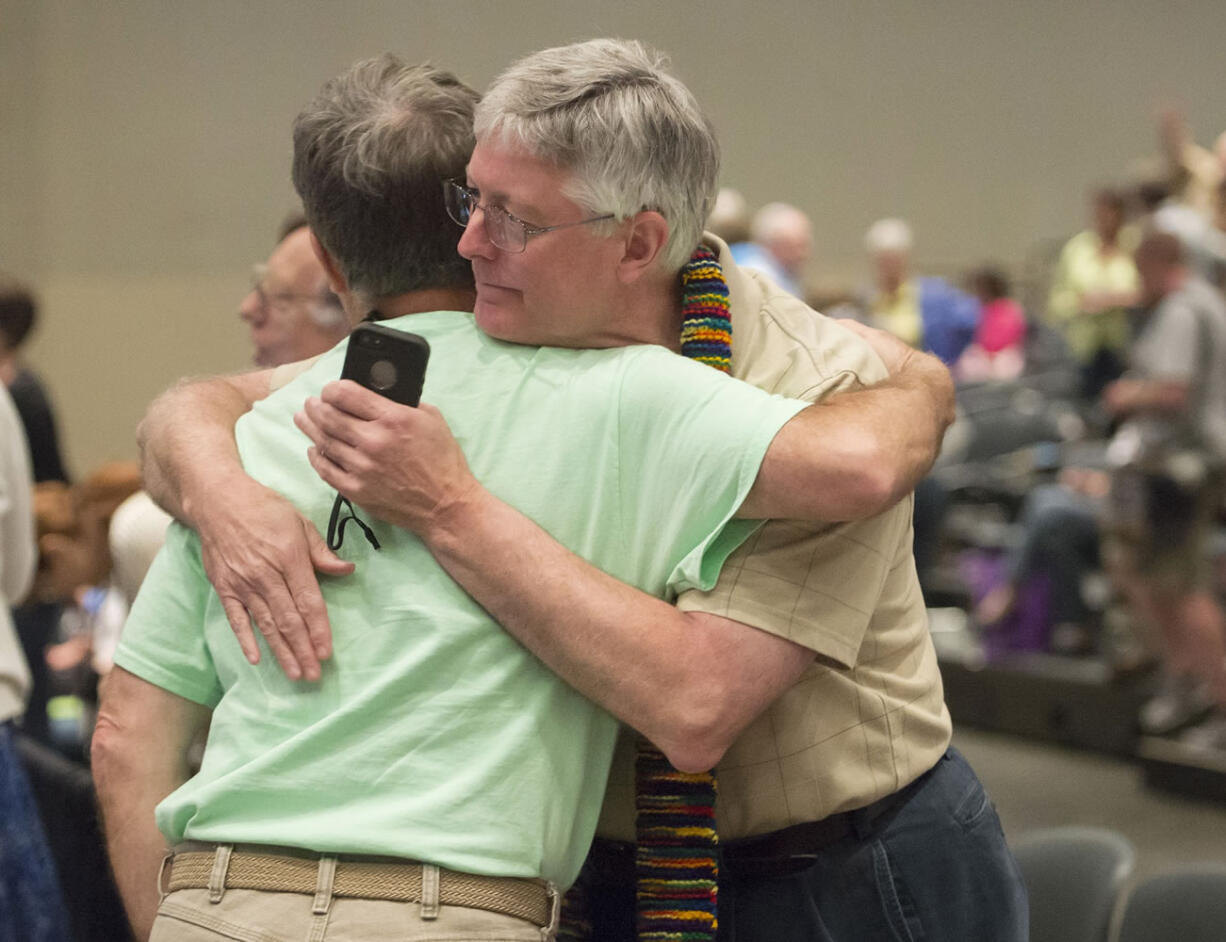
(1060, 539)
(31, 906)
(934, 867)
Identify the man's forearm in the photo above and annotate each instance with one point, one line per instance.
(138, 758)
(689, 683)
(906, 416)
(187, 439)
(259, 552)
(858, 453)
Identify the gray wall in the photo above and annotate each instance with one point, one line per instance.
(144, 147)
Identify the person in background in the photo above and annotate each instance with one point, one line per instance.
(31, 903)
(781, 241)
(1170, 453)
(927, 313)
(1094, 285)
(291, 312)
(18, 316)
(1195, 172)
(293, 315)
(37, 621)
(729, 217)
(998, 350)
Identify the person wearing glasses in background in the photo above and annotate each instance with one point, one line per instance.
(291, 312)
(293, 315)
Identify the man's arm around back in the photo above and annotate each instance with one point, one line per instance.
(139, 756)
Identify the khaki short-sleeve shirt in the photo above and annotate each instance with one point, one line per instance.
(868, 716)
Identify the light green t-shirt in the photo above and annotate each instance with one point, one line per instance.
(434, 735)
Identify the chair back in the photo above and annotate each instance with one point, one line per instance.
(1074, 876)
(1184, 905)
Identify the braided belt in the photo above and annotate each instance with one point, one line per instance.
(530, 900)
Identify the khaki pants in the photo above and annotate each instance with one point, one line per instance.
(256, 916)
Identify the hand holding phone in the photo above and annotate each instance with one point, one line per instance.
(393, 364)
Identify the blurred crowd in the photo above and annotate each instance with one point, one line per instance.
(1077, 508)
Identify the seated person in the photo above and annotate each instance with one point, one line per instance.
(998, 350)
(927, 313)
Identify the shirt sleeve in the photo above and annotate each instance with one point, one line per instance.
(163, 639)
(687, 472)
(1169, 348)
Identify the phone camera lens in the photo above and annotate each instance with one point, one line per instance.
(382, 375)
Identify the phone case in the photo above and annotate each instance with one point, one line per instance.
(391, 362)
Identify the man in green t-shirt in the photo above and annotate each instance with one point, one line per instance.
(430, 736)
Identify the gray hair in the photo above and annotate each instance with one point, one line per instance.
(327, 311)
(777, 219)
(888, 235)
(631, 134)
(371, 153)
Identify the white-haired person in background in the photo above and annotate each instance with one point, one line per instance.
(926, 313)
(779, 246)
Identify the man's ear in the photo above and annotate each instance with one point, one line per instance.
(644, 243)
(336, 281)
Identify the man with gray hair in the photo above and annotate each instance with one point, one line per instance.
(291, 312)
(432, 738)
(815, 632)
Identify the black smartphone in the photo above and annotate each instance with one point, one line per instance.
(391, 362)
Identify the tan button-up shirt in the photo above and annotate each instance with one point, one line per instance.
(868, 716)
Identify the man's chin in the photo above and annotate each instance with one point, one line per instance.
(498, 322)
(505, 330)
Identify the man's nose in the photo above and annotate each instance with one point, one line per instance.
(250, 307)
(475, 241)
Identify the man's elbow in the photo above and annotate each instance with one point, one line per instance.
(696, 752)
(118, 753)
(879, 484)
(110, 751)
(699, 731)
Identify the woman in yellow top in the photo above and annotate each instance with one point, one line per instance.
(1094, 285)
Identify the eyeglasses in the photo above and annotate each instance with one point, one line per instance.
(274, 300)
(508, 232)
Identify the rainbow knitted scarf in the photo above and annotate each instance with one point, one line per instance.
(675, 856)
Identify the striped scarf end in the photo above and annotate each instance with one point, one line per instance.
(675, 918)
(670, 832)
(702, 935)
